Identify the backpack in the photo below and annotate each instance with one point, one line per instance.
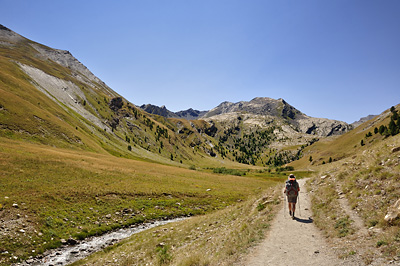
(292, 188)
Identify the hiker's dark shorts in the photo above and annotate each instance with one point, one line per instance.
(292, 199)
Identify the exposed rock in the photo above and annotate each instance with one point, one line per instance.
(116, 103)
(71, 241)
(113, 123)
(257, 106)
(394, 212)
(395, 149)
(9, 37)
(188, 114)
(266, 111)
(162, 111)
(191, 114)
(363, 120)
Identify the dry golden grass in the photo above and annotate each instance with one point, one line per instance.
(369, 180)
(64, 193)
(219, 238)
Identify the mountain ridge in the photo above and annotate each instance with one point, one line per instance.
(106, 117)
(87, 161)
(263, 109)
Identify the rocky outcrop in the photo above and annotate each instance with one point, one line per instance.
(8, 37)
(116, 103)
(189, 114)
(268, 110)
(322, 126)
(66, 59)
(394, 212)
(156, 110)
(363, 120)
(257, 106)
(261, 112)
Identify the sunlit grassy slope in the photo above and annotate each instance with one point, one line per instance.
(27, 113)
(64, 176)
(53, 194)
(362, 177)
(344, 146)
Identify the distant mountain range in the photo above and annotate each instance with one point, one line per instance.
(362, 120)
(51, 97)
(188, 114)
(260, 111)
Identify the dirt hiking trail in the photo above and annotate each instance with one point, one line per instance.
(293, 242)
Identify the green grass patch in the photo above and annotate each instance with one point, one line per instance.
(225, 171)
(343, 226)
(75, 194)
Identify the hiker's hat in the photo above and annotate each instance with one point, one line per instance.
(292, 177)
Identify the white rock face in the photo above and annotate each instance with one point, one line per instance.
(63, 92)
(79, 71)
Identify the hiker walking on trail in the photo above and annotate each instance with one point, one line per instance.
(292, 189)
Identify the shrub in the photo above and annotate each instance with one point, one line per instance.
(162, 253)
(381, 243)
(226, 171)
(343, 226)
(260, 207)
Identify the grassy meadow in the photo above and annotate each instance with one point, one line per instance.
(219, 238)
(48, 194)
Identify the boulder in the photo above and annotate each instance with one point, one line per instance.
(71, 241)
(394, 212)
(396, 149)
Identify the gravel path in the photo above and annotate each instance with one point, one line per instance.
(293, 242)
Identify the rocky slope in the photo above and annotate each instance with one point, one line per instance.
(362, 120)
(265, 110)
(90, 115)
(261, 111)
(188, 114)
(51, 97)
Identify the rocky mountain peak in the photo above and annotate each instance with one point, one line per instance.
(8, 36)
(162, 111)
(257, 106)
(4, 28)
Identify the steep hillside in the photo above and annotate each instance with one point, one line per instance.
(337, 148)
(78, 160)
(264, 131)
(356, 193)
(48, 96)
(52, 98)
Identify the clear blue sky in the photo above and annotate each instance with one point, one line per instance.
(337, 59)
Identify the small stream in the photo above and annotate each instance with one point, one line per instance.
(69, 254)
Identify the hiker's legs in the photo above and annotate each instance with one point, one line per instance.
(293, 207)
